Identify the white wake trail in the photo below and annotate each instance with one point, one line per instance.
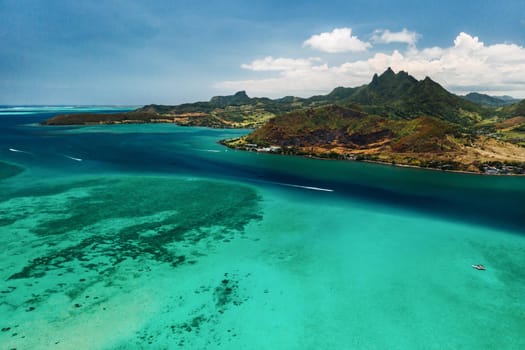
(73, 158)
(19, 151)
(311, 188)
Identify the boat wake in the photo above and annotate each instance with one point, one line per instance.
(210, 150)
(311, 188)
(19, 151)
(73, 158)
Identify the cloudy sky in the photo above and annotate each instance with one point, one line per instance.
(163, 51)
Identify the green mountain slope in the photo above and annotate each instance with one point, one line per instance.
(401, 96)
(517, 109)
(387, 88)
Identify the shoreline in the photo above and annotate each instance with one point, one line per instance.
(221, 142)
(434, 169)
(372, 162)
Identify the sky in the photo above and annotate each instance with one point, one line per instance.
(130, 52)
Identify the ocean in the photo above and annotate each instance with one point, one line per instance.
(156, 236)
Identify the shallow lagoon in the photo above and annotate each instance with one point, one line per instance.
(159, 237)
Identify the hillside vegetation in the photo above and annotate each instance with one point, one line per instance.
(341, 133)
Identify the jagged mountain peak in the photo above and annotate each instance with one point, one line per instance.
(388, 72)
(238, 98)
(389, 77)
(241, 93)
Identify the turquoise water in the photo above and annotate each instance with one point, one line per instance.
(155, 236)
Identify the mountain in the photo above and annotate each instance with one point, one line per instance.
(238, 99)
(391, 95)
(489, 101)
(401, 96)
(387, 88)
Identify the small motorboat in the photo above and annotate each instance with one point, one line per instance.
(479, 267)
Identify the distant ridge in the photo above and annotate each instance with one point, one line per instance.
(489, 101)
(393, 95)
(390, 95)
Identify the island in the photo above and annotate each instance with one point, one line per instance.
(395, 119)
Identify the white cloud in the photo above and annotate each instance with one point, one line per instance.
(467, 65)
(338, 40)
(467, 43)
(388, 37)
(279, 64)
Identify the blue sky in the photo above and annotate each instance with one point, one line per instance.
(139, 52)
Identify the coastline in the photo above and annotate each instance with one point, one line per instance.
(374, 162)
(434, 169)
(145, 118)
(310, 156)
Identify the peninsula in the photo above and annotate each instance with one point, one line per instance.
(394, 119)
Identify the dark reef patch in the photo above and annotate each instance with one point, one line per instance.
(163, 214)
(220, 297)
(102, 233)
(226, 293)
(138, 220)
